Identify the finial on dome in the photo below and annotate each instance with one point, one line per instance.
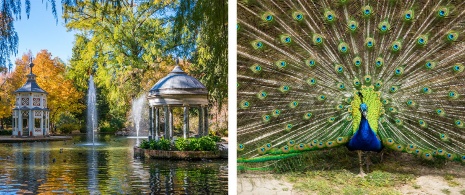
(31, 64)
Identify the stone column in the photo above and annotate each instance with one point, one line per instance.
(200, 132)
(42, 123)
(14, 122)
(186, 121)
(31, 122)
(48, 122)
(205, 124)
(157, 122)
(166, 122)
(150, 122)
(20, 123)
(171, 122)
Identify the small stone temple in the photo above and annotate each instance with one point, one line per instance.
(30, 113)
(177, 89)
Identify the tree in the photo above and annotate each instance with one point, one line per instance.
(10, 10)
(118, 46)
(9, 83)
(202, 25)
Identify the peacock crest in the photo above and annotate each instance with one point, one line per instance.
(312, 74)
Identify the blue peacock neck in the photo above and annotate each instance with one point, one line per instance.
(365, 138)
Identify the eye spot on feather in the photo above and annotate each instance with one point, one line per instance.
(266, 118)
(245, 104)
(298, 16)
(240, 147)
(458, 68)
(267, 17)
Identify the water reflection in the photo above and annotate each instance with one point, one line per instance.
(68, 167)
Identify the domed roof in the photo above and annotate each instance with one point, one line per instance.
(31, 84)
(178, 82)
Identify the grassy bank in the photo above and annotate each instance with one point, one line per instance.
(336, 171)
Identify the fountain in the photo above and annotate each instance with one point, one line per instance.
(91, 111)
(136, 114)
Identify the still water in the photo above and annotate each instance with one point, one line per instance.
(70, 167)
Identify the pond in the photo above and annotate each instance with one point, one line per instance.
(67, 167)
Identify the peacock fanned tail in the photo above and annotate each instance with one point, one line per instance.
(305, 67)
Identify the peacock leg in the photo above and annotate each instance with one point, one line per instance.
(382, 155)
(368, 162)
(362, 174)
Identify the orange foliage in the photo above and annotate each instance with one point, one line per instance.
(50, 76)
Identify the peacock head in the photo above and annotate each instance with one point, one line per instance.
(364, 109)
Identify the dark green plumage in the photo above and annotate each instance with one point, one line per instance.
(301, 65)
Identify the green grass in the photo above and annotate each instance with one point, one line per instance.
(335, 171)
(445, 191)
(346, 182)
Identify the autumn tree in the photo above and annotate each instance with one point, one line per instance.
(63, 98)
(10, 82)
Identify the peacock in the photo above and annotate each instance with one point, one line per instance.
(363, 74)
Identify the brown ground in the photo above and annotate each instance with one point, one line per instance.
(403, 173)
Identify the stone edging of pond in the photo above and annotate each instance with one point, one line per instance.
(165, 154)
(10, 139)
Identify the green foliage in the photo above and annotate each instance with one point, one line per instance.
(202, 24)
(215, 138)
(181, 144)
(207, 143)
(106, 127)
(164, 144)
(145, 144)
(67, 123)
(68, 128)
(6, 132)
(154, 145)
(194, 144)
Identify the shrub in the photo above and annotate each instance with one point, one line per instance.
(164, 144)
(194, 145)
(154, 145)
(181, 144)
(6, 132)
(144, 144)
(215, 138)
(207, 143)
(68, 128)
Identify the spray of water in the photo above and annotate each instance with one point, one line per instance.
(91, 111)
(136, 113)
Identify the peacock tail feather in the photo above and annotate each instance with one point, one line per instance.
(305, 67)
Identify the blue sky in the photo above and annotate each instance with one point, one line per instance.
(41, 31)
